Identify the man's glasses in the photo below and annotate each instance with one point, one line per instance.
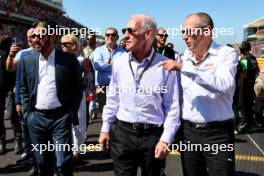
(162, 35)
(129, 30)
(37, 36)
(108, 34)
(66, 44)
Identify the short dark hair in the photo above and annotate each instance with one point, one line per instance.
(206, 19)
(45, 23)
(245, 47)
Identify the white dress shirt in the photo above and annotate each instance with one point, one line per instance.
(47, 93)
(208, 87)
(152, 100)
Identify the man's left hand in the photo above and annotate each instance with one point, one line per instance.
(161, 150)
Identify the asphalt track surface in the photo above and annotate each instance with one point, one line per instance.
(249, 156)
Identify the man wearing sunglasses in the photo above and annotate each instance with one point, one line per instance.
(160, 44)
(140, 118)
(208, 82)
(51, 91)
(103, 59)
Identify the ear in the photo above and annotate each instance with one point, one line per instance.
(148, 34)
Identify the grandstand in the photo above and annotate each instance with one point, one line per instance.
(254, 32)
(17, 15)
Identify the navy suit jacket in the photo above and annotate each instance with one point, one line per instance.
(67, 77)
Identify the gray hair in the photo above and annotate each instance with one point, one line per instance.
(147, 23)
(206, 20)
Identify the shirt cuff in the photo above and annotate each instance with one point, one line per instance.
(106, 127)
(167, 136)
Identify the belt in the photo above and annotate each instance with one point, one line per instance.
(136, 126)
(50, 111)
(209, 124)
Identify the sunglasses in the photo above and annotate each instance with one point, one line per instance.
(37, 36)
(162, 35)
(66, 44)
(108, 34)
(129, 30)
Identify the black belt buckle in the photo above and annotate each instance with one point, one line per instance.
(136, 126)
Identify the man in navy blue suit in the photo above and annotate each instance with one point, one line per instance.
(51, 93)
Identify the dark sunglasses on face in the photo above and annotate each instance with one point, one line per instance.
(163, 35)
(108, 35)
(37, 36)
(129, 30)
(66, 44)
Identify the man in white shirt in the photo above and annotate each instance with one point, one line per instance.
(51, 91)
(208, 83)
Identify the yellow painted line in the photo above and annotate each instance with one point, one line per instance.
(250, 158)
(96, 148)
(238, 157)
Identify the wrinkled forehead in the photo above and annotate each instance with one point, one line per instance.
(134, 23)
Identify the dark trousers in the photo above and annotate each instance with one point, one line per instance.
(2, 124)
(101, 98)
(51, 127)
(131, 148)
(248, 99)
(209, 163)
(27, 143)
(12, 115)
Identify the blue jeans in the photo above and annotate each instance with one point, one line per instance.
(53, 127)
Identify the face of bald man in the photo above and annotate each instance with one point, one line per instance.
(195, 35)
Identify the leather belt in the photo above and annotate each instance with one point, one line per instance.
(136, 126)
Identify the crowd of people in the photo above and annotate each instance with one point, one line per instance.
(149, 96)
(23, 8)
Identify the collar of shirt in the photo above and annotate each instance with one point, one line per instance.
(145, 59)
(211, 51)
(50, 57)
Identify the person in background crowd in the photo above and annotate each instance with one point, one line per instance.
(208, 83)
(122, 44)
(12, 65)
(104, 57)
(9, 85)
(160, 44)
(250, 72)
(71, 44)
(89, 53)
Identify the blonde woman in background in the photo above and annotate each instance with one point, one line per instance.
(71, 44)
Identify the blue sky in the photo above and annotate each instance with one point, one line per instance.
(167, 13)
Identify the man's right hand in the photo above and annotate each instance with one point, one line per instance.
(18, 109)
(13, 50)
(104, 140)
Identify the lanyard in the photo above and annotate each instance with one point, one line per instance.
(145, 68)
(163, 51)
